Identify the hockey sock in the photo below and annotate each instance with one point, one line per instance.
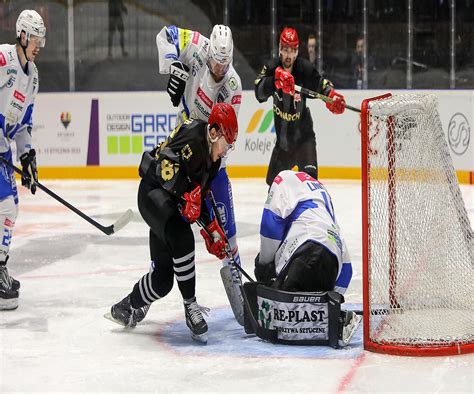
(154, 285)
(185, 273)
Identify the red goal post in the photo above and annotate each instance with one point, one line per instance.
(418, 265)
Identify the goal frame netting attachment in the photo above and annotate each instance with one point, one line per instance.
(404, 312)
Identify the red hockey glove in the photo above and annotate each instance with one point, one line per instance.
(338, 104)
(215, 243)
(285, 81)
(192, 206)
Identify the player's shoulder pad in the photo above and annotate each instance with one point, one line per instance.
(172, 34)
(282, 175)
(267, 70)
(233, 81)
(181, 37)
(197, 127)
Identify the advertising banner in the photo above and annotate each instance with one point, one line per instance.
(60, 132)
(131, 123)
(113, 129)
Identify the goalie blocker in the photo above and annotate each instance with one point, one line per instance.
(297, 318)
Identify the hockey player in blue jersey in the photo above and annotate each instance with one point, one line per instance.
(18, 89)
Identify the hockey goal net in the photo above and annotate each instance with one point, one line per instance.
(418, 266)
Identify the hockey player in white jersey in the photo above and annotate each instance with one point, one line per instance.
(201, 75)
(301, 245)
(18, 88)
(299, 216)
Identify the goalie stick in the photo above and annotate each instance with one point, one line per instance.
(326, 99)
(120, 223)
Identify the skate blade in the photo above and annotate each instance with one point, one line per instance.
(109, 316)
(8, 304)
(201, 338)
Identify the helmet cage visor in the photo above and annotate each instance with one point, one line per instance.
(229, 146)
(36, 40)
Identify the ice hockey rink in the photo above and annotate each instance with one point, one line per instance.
(71, 273)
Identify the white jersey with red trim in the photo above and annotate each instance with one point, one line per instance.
(202, 92)
(17, 95)
(299, 209)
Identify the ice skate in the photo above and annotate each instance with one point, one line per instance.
(140, 313)
(122, 313)
(15, 284)
(195, 321)
(351, 322)
(8, 294)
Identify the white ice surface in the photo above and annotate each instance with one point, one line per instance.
(58, 340)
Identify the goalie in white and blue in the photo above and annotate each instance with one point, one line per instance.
(301, 245)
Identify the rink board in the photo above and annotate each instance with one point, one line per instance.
(103, 135)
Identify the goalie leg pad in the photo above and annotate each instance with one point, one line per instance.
(232, 284)
(293, 318)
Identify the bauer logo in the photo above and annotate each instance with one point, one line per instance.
(459, 133)
(134, 133)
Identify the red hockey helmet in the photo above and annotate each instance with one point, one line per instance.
(289, 37)
(223, 116)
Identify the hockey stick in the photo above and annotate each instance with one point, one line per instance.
(228, 250)
(120, 223)
(326, 99)
(238, 301)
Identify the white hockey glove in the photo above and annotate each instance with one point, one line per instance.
(179, 74)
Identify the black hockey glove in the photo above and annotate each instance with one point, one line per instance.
(28, 164)
(177, 82)
(264, 272)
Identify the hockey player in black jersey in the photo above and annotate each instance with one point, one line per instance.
(296, 142)
(175, 175)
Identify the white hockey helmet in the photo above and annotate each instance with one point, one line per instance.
(32, 24)
(222, 46)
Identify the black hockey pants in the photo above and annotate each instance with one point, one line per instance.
(301, 155)
(171, 248)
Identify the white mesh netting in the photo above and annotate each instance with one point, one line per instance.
(421, 266)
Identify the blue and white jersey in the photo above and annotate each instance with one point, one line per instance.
(201, 92)
(17, 95)
(299, 209)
